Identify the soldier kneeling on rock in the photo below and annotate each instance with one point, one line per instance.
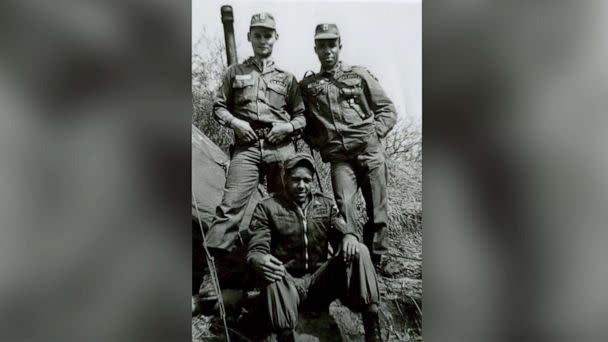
(290, 237)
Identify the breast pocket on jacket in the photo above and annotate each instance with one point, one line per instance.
(277, 95)
(243, 89)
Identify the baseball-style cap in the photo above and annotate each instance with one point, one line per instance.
(299, 159)
(327, 31)
(263, 20)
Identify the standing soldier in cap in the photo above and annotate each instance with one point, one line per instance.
(263, 105)
(347, 114)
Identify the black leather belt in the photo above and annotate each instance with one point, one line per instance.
(261, 129)
(262, 133)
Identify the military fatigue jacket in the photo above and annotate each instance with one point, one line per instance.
(253, 93)
(298, 238)
(345, 109)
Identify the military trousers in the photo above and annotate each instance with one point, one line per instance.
(247, 164)
(354, 283)
(366, 171)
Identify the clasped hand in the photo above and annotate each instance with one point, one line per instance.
(243, 130)
(279, 131)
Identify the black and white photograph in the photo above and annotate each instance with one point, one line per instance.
(307, 171)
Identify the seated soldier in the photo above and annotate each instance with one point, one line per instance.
(290, 234)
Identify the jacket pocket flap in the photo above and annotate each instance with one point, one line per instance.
(351, 82)
(242, 83)
(277, 88)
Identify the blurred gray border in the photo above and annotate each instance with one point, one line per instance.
(95, 171)
(95, 148)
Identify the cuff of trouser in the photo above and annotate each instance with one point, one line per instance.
(281, 301)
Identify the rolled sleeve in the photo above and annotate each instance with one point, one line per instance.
(222, 98)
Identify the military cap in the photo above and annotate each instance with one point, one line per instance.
(327, 31)
(263, 20)
(298, 159)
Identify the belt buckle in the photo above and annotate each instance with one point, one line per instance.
(261, 133)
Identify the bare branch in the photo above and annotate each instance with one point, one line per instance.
(404, 142)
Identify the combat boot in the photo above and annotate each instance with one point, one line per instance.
(371, 325)
(207, 289)
(206, 301)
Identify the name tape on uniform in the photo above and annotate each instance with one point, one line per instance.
(348, 76)
(243, 77)
(279, 82)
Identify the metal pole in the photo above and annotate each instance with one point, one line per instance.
(227, 20)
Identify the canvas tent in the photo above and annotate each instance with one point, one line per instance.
(209, 167)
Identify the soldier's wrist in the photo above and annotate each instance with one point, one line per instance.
(254, 259)
(235, 122)
(353, 235)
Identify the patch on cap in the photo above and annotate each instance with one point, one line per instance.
(327, 31)
(263, 20)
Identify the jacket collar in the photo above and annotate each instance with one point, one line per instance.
(336, 70)
(263, 69)
(312, 201)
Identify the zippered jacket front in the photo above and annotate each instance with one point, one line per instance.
(299, 238)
